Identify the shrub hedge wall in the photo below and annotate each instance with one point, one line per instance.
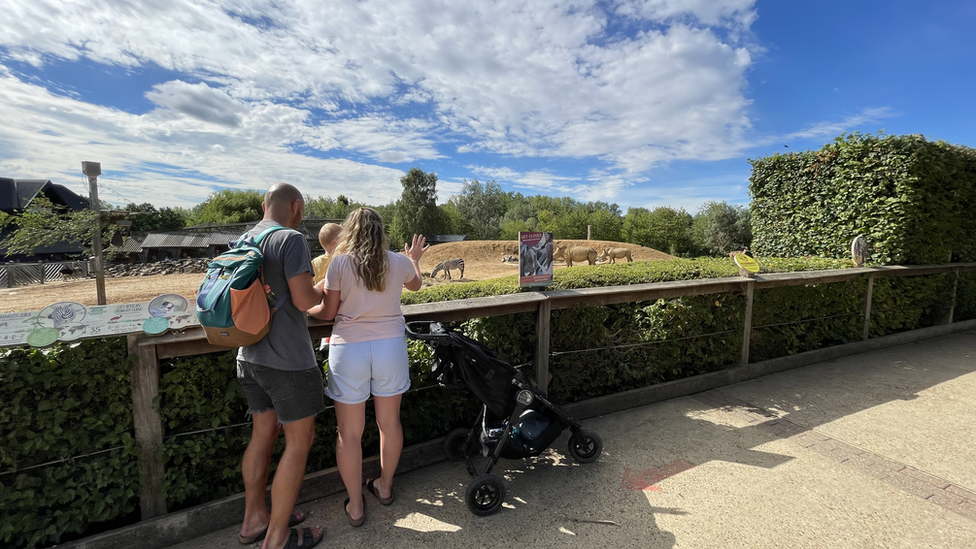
(65, 412)
(912, 199)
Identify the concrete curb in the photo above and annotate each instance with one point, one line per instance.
(184, 525)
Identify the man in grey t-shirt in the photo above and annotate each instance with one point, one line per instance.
(282, 381)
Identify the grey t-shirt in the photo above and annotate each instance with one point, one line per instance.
(287, 345)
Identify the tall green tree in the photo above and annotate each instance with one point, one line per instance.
(416, 211)
(664, 228)
(719, 228)
(228, 206)
(482, 206)
(148, 218)
(330, 208)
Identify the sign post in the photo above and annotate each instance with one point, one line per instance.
(93, 170)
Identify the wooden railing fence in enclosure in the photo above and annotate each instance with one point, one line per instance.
(148, 350)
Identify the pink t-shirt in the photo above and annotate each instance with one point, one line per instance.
(365, 315)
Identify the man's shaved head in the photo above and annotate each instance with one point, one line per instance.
(284, 204)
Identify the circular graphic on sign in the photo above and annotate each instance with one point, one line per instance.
(155, 325)
(747, 263)
(167, 305)
(42, 337)
(61, 314)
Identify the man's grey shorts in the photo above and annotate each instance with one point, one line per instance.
(293, 395)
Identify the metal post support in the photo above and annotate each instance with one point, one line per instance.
(955, 289)
(867, 307)
(542, 346)
(747, 322)
(148, 426)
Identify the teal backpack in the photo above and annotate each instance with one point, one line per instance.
(233, 304)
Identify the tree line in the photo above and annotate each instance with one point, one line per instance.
(481, 211)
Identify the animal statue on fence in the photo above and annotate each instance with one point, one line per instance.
(578, 254)
(446, 266)
(613, 254)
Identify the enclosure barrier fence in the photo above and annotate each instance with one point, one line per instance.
(149, 350)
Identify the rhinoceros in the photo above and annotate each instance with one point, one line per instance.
(578, 254)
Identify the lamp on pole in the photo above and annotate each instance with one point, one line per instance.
(93, 170)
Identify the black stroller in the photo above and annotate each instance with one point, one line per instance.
(516, 421)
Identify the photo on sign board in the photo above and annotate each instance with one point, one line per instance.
(535, 259)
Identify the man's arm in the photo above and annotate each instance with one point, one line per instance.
(304, 294)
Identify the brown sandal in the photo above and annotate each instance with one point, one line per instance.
(373, 490)
(355, 523)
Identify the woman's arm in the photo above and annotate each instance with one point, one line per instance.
(329, 306)
(415, 252)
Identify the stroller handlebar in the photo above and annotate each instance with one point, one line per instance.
(426, 330)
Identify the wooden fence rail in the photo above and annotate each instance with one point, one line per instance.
(148, 350)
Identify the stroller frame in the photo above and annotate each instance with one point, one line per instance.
(480, 369)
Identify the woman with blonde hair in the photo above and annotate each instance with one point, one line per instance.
(368, 348)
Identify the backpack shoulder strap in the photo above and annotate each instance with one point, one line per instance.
(266, 232)
(257, 243)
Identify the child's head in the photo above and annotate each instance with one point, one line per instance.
(329, 236)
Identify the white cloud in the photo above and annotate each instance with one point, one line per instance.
(832, 129)
(171, 161)
(507, 77)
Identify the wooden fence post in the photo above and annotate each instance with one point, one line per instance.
(148, 426)
(747, 322)
(867, 307)
(542, 346)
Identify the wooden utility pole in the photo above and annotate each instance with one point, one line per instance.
(93, 170)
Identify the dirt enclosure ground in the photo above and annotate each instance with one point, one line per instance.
(482, 261)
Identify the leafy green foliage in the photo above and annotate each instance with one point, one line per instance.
(67, 447)
(228, 206)
(665, 229)
(46, 224)
(911, 199)
(416, 211)
(482, 206)
(330, 208)
(720, 228)
(148, 218)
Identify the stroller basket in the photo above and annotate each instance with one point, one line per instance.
(523, 421)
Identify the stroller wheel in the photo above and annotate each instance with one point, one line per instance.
(485, 495)
(585, 446)
(454, 445)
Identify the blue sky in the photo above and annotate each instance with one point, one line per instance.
(642, 103)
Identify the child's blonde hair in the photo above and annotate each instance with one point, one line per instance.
(365, 240)
(329, 234)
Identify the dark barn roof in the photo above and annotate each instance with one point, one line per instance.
(17, 194)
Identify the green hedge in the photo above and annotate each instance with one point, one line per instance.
(72, 400)
(912, 200)
(66, 443)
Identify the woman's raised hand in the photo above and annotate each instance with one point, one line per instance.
(416, 248)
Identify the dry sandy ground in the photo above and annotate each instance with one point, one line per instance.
(482, 259)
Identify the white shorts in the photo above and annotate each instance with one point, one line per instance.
(357, 370)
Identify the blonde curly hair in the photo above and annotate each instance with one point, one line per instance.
(364, 238)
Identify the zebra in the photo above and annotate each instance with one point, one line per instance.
(446, 266)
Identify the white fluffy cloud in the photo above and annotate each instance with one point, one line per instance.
(626, 84)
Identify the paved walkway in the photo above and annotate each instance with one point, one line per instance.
(872, 450)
